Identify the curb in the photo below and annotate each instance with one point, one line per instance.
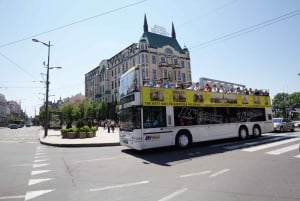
(81, 145)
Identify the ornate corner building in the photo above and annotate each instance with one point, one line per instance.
(159, 56)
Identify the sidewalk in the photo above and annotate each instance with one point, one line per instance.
(103, 138)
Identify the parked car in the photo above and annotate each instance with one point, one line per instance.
(282, 124)
(13, 126)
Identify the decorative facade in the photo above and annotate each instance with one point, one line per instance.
(159, 56)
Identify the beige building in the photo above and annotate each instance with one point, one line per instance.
(159, 56)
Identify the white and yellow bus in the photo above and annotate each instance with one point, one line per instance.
(153, 117)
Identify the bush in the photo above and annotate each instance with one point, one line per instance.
(79, 123)
(69, 124)
(66, 130)
(90, 124)
(84, 129)
(94, 129)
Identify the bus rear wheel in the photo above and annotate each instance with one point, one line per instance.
(256, 131)
(183, 140)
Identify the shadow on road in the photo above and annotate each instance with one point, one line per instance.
(169, 156)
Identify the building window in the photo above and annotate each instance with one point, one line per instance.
(133, 61)
(182, 64)
(183, 77)
(154, 74)
(142, 58)
(175, 61)
(165, 73)
(168, 51)
(112, 84)
(178, 75)
(143, 74)
(112, 73)
(153, 59)
(162, 60)
(147, 72)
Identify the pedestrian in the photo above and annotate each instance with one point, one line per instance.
(108, 126)
(112, 126)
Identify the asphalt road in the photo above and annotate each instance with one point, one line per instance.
(264, 169)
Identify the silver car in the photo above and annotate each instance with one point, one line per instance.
(282, 124)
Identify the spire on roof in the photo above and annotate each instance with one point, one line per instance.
(173, 32)
(145, 24)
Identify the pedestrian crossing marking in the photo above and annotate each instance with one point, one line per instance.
(39, 172)
(33, 194)
(283, 150)
(265, 146)
(37, 181)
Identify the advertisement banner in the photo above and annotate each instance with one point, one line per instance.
(183, 97)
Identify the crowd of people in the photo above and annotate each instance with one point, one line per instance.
(110, 125)
(214, 88)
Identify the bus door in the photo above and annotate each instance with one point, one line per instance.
(157, 126)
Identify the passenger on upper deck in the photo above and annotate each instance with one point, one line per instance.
(222, 89)
(189, 86)
(197, 87)
(147, 83)
(158, 84)
(207, 87)
(167, 84)
(214, 88)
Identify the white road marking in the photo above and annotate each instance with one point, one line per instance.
(33, 194)
(40, 165)
(41, 160)
(39, 172)
(219, 173)
(172, 195)
(101, 159)
(12, 197)
(37, 181)
(119, 186)
(195, 174)
(40, 153)
(247, 144)
(265, 146)
(42, 156)
(298, 156)
(283, 150)
(22, 165)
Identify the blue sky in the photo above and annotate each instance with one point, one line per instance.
(265, 58)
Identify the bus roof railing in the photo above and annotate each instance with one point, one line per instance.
(204, 80)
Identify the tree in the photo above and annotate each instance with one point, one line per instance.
(280, 104)
(294, 99)
(283, 103)
(66, 111)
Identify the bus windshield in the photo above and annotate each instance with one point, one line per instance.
(129, 82)
(130, 118)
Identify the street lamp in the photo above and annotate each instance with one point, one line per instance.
(47, 84)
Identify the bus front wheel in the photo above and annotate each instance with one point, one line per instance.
(243, 133)
(183, 140)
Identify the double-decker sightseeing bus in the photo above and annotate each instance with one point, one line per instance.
(153, 116)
